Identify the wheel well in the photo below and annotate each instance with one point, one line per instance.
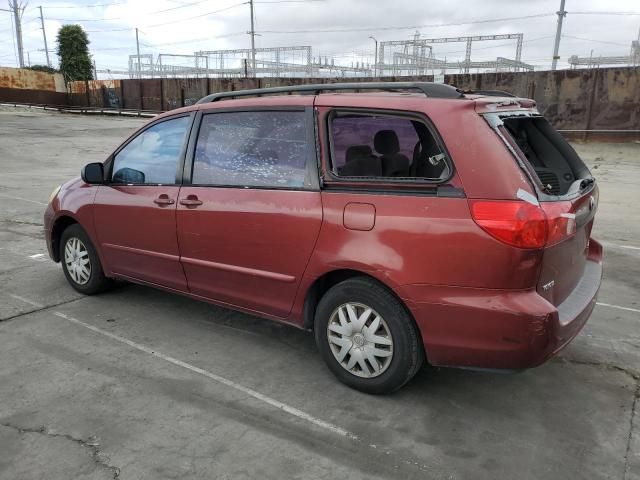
(324, 283)
(59, 226)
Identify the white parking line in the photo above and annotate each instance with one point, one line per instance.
(36, 256)
(27, 301)
(22, 199)
(628, 309)
(253, 393)
(617, 245)
(257, 395)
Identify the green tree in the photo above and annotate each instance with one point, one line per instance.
(73, 50)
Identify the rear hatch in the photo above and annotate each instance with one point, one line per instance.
(567, 194)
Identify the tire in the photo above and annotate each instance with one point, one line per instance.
(87, 278)
(387, 338)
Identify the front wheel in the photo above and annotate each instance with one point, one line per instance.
(80, 262)
(366, 336)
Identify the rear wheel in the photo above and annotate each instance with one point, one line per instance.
(366, 336)
(80, 262)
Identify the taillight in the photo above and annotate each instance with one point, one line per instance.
(523, 224)
(561, 223)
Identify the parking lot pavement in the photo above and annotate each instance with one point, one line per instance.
(141, 384)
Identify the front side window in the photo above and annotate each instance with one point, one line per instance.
(384, 146)
(254, 149)
(152, 157)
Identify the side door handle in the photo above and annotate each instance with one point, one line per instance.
(164, 200)
(191, 201)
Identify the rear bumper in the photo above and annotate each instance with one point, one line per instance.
(500, 329)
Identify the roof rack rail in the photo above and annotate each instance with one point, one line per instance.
(490, 93)
(434, 90)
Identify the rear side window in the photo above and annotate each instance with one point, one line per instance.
(384, 146)
(255, 149)
(152, 157)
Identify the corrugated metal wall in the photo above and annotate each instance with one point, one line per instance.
(607, 98)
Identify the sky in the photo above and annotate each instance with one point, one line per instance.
(334, 28)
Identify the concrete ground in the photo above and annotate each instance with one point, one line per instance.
(141, 384)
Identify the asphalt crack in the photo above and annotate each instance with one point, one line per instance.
(39, 309)
(636, 394)
(607, 366)
(22, 222)
(630, 438)
(91, 444)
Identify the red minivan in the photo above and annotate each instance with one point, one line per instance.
(401, 222)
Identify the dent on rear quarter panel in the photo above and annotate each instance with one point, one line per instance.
(483, 162)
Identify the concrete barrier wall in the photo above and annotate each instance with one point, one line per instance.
(24, 85)
(607, 98)
(25, 79)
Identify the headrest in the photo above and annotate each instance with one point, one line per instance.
(386, 142)
(357, 151)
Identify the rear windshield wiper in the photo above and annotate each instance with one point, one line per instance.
(587, 182)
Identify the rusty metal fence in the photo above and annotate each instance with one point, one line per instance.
(603, 101)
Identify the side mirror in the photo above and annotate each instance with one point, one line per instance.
(93, 173)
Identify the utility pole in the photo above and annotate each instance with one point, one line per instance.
(138, 50)
(253, 41)
(556, 47)
(375, 62)
(17, 15)
(44, 35)
(17, 9)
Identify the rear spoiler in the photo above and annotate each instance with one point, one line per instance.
(489, 93)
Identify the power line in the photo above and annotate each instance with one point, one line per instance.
(410, 27)
(110, 19)
(98, 5)
(155, 45)
(289, 1)
(84, 6)
(595, 41)
(126, 29)
(181, 6)
(166, 23)
(604, 13)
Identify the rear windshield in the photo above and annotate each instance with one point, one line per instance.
(554, 161)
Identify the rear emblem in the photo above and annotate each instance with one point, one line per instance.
(548, 286)
(592, 203)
